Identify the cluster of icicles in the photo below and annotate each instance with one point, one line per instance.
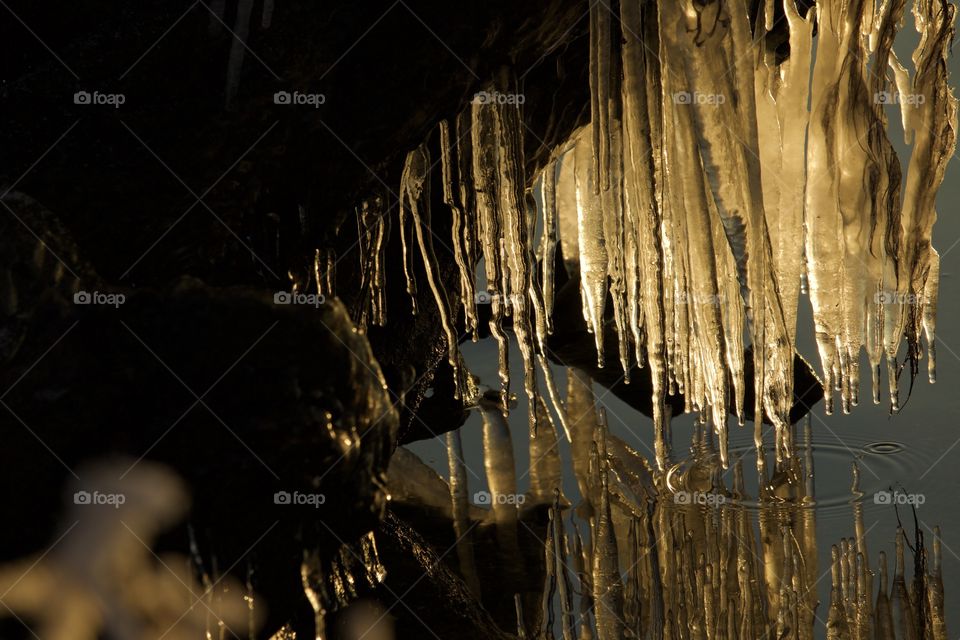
(642, 557)
(701, 196)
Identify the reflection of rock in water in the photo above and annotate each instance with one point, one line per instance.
(651, 554)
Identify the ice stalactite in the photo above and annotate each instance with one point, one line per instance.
(701, 44)
(888, 265)
(325, 272)
(485, 152)
(553, 393)
(505, 231)
(415, 195)
(854, 193)
(642, 205)
(782, 93)
(591, 244)
(933, 126)
(519, 289)
(705, 336)
(374, 230)
(456, 195)
(548, 249)
(600, 79)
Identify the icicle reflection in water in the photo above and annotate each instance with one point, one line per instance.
(683, 553)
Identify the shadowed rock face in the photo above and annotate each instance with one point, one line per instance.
(192, 177)
(277, 181)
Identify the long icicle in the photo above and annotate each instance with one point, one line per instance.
(415, 182)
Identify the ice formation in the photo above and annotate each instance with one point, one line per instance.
(702, 194)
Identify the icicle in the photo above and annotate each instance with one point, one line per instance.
(592, 245)
(567, 217)
(727, 133)
(600, 77)
(782, 97)
(374, 230)
(614, 238)
(931, 291)
(548, 251)
(415, 190)
(554, 395)
(486, 177)
(934, 129)
(641, 209)
(522, 297)
(462, 228)
(702, 297)
(325, 272)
